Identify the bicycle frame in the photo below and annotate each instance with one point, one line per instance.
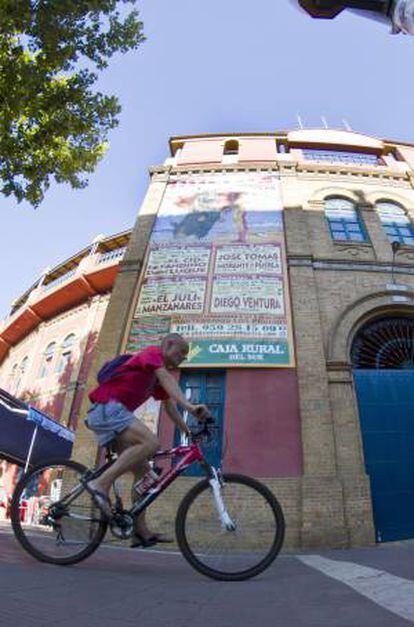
(189, 455)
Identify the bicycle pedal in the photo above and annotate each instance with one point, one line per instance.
(122, 525)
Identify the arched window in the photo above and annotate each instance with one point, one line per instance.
(47, 360)
(385, 343)
(65, 352)
(20, 372)
(344, 221)
(395, 222)
(23, 365)
(231, 147)
(12, 378)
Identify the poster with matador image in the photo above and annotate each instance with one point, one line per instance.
(215, 271)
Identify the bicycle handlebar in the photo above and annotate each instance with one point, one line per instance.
(205, 429)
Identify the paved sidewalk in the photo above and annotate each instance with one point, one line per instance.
(120, 586)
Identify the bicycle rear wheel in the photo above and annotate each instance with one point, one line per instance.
(238, 554)
(53, 517)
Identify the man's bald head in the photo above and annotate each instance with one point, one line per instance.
(174, 338)
(175, 349)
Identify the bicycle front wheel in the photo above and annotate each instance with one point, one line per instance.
(233, 552)
(53, 517)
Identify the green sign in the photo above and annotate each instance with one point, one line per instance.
(240, 352)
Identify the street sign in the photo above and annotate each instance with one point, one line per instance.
(398, 13)
(327, 9)
(322, 8)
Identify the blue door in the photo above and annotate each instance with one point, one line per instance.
(205, 387)
(386, 411)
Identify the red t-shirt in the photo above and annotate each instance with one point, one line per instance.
(136, 381)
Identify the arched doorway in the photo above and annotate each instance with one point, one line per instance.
(382, 357)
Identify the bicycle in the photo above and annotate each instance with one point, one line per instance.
(228, 526)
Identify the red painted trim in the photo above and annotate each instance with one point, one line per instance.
(54, 302)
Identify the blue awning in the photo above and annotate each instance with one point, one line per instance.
(50, 425)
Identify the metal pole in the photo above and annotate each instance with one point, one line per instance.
(395, 248)
(29, 454)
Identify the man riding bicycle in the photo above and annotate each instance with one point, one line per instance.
(145, 374)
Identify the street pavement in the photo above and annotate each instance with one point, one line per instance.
(119, 586)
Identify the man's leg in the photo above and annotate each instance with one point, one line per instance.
(141, 529)
(138, 444)
(138, 471)
(140, 523)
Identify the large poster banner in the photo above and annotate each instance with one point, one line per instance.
(172, 296)
(249, 295)
(146, 331)
(178, 262)
(215, 271)
(249, 259)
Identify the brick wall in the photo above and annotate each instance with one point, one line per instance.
(334, 287)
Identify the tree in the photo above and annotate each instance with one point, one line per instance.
(53, 124)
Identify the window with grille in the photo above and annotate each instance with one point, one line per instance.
(20, 374)
(341, 156)
(12, 378)
(65, 352)
(345, 223)
(385, 343)
(396, 223)
(47, 360)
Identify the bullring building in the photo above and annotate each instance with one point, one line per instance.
(286, 259)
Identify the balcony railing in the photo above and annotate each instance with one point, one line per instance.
(111, 255)
(118, 253)
(60, 279)
(341, 156)
(16, 309)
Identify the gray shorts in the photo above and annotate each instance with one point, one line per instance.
(107, 420)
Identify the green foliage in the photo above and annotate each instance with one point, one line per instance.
(53, 124)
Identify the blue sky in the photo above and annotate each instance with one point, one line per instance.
(206, 68)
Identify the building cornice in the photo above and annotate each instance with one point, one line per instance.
(354, 265)
(288, 168)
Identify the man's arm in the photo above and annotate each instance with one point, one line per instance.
(175, 416)
(172, 388)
